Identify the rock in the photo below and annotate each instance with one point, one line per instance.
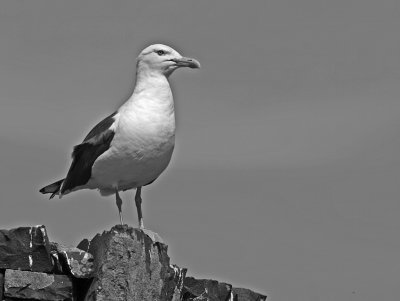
(175, 284)
(57, 266)
(25, 248)
(81, 287)
(129, 265)
(84, 245)
(120, 264)
(1, 284)
(244, 294)
(37, 286)
(73, 260)
(204, 289)
(153, 236)
(212, 290)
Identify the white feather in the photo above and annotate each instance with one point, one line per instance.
(144, 139)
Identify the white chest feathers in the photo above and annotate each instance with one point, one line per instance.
(142, 146)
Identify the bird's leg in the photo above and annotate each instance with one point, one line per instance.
(138, 202)
(119, 205)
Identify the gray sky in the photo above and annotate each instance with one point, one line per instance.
(286, 170)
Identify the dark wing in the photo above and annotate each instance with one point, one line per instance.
(53, 188)
(101, 127)
(85, 154)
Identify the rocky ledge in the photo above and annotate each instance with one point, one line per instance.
(123, 263)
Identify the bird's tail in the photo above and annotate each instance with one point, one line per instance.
(52, 188)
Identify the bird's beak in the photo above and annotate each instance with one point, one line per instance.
(187, 62)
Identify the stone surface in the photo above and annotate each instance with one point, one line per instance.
(84, 245)
(174, 285)
(73, 260)
(57, 266)
(129, 265)
(212, 290)
(25, 248)
(205, 289)
(244, 294)
(120, 264)
(1, 284)
(81, 287)
(37, 286)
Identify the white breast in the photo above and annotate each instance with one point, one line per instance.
(142, 146)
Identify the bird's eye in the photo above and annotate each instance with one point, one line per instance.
(160, 52)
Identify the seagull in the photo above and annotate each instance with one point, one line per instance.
(131, 147)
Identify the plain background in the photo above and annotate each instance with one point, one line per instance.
(286, 173)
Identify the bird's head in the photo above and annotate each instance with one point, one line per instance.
(163, 59)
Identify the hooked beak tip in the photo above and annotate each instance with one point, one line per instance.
(188, 62)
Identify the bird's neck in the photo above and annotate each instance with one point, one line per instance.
(152, 90)
(148, 80)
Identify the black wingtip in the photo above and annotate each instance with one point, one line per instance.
(53, 188)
